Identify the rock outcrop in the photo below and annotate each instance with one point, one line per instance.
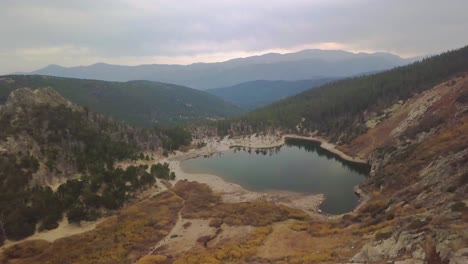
(419, 166)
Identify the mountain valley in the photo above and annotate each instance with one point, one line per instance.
(255, 94)
(60, 160)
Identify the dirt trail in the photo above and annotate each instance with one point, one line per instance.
(231, 192)
(183, 236)
(164, 241)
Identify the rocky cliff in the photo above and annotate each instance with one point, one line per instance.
(418, 186)
(419, 158)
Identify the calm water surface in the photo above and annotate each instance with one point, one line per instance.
(299, 165)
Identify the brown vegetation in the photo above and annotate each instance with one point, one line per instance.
(227, 253)
(201, 202)
(399, 202)
(310, 242)
(119, 239)
(153, 259)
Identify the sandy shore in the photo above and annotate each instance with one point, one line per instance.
(231, 192)
(269, 141)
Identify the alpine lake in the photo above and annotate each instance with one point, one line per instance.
(298, 166)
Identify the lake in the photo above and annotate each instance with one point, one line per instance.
(299, 165)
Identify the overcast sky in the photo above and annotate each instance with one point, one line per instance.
(35, 33)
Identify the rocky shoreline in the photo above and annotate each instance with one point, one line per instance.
(235, 193)
(231, 192)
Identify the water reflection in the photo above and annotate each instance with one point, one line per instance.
(298, 165)
(309, 146)
(314, 146)
(259, 151)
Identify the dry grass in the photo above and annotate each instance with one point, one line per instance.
(153, 259)
(128, 236)
(26, 249)
(120, 239)
(310, 242)
(228, 253)
(201, 202)
(322, 257)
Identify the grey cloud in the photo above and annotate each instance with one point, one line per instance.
(114, 30)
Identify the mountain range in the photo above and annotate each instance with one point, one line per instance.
(61, 162)
(140, 103)
(302, 65)
(339, 107)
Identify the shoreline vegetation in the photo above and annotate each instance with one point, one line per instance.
(329, 147)
(235, 193)
(230, 192)
(324, 144)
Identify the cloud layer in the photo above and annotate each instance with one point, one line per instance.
(37, 33)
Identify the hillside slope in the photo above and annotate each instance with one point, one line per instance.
(411, 125)
(255, 94)
(141, 103)
(57, 157)
(419, 153)
(340, 110)
(414, 206)
(303, 65)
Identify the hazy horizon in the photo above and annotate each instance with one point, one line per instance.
(229, 59)
(40, 33)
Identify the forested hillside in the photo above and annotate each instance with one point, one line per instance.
(46, 139)
(141, 103)
(410, 125)
(340, 109)
(255, 94)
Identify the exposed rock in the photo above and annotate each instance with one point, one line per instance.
(379, 158)
(391, 248)
(419, 253)
(460, 257)
(44, 96)
(32, 120)
(449, 241)
(409, 261)
(453, 216)
(459, 260)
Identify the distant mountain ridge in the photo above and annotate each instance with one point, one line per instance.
(255, 94)
(338, 109)
(302, 65)
(140, 103)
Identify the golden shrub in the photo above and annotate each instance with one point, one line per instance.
(152, 259)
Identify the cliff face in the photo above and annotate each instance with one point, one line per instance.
(419, 158)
